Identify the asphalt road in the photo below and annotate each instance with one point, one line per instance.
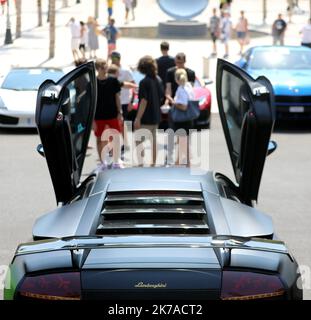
(26, 191)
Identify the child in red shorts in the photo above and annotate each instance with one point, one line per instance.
(108, 113)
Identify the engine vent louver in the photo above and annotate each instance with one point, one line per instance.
(154, 212)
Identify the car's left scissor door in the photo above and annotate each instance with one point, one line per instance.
(64, 117)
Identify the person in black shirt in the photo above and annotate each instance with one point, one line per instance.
(164, 62)
(108, 114)
(171, 85)
(278, 30)
(151, 96)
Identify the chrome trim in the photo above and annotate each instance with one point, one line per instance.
(174, 199)
(145, 224)
(115, 211)
(222, 242)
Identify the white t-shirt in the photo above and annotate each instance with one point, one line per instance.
(125, 95)
(84, 35)
(75, 29)
(306, 34)
(184, 94)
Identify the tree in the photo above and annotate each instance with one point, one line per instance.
(18, 5)
(96, 4)
(52, 28)
(264, 9)
(39, 9)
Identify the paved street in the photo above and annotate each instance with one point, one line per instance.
(26, 191)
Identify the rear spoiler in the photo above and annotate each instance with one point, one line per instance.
(97, 242)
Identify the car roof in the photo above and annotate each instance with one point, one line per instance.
(292, 48)
(160, 178)
(36, 68)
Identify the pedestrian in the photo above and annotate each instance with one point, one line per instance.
(134, 5)
(92, 38)
(151, 96)
(3, 3)
(108, 113)
(164, 62)
(242, 31)
(125, 76)
(128, 7)
(110, 8)
(83, 38)
(183, 95)
(75, 30)
(306, 34)
(225, 29)
(112, 34)
(278, 30)
(225, 5)
(171, 84)
(214, 26)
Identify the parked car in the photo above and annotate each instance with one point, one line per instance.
(289, 70)
(18, 94)
(154, 233)
(202, 94)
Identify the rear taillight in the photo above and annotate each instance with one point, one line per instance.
(237, 285)
(56, 286)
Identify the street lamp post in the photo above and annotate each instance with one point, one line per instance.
(8, 34)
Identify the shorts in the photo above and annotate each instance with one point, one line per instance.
(241, 35)
(214, 36)
(109, 12)
(82, 46)
(111, 47)
(75, 43)
(225, 38)
(101, 125)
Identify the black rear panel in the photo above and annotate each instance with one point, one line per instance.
(151, 284)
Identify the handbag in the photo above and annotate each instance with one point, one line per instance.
(192, 112)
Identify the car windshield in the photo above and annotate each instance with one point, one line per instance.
(29, 79)
(281, 59)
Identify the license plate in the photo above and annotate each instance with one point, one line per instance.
(297, 109)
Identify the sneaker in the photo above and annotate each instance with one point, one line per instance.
(101, 166)
(226, 56)
(117, 165)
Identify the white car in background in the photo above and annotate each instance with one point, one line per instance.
(18, 95)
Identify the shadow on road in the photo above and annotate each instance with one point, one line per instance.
(293, 126)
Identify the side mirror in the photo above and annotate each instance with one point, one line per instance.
(272, 147)
(40, 150)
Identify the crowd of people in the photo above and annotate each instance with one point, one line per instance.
(222, 29)
(166, 82)
(84, 35)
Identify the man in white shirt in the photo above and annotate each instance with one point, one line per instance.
(75, 30)
(306, 35)
(125, 75)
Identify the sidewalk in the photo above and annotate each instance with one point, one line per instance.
(32, 48)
